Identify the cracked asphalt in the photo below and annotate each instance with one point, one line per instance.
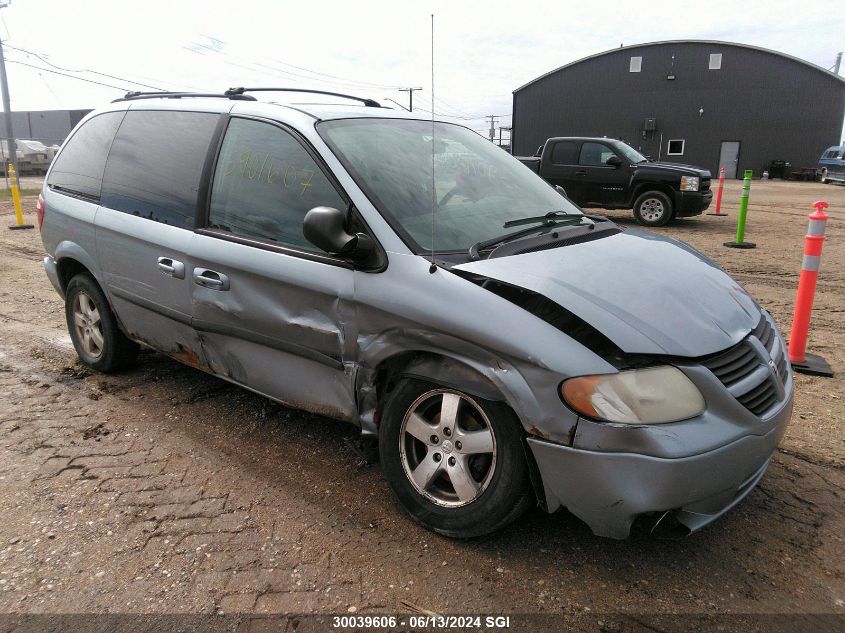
(165, 490)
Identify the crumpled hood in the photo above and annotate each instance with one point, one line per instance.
(647, 294)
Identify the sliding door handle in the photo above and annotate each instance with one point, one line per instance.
(211, 279)
(171, 267)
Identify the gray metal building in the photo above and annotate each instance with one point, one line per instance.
(51, 127)
(707, 103)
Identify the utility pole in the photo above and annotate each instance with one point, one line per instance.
(7, 108)
(493, 118)
(410, 92)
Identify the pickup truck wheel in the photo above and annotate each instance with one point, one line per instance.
(454, 462)
(93, 327)
(653, 208)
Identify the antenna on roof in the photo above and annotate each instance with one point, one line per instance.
(433, 267)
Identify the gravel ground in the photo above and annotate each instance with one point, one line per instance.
(163, 490)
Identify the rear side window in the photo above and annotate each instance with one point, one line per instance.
(156, 163)
(564, 153)
(79, 167)
(265, 183)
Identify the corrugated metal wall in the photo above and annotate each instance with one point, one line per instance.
(51, 127)
(776, 107)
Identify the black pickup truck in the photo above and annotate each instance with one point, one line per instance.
(606, 173)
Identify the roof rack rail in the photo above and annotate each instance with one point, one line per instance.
(164, 94)
(238, 92)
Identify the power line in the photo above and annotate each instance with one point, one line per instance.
(397, 103)
(363, 83)
(56, 72)
(82, 70)
(333, 79)
(217, 49)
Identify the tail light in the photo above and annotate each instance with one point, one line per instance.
(39, 210)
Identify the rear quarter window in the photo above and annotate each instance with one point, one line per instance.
(78, 168)
(155, 165)
(564, 153)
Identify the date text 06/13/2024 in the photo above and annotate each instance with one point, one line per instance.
(420, 621)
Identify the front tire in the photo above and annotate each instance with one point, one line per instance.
(653, 208)
(93, 329)
(454, 462)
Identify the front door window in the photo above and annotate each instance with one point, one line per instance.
(265, 183)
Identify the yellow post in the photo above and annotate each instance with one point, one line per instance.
(16, 198)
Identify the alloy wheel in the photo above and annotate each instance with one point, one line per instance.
(448, 448)
(652, 209)
(88, 324)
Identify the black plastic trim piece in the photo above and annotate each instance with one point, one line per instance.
(134, 96)
(207, 175)
(555, 239)
(74, 194)
(236, 92)
(276, 248)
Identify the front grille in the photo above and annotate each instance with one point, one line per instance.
(760, 398)
(734, 365)
(746, 372)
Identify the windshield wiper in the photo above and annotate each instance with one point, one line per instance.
(551, 217)
(554, 220)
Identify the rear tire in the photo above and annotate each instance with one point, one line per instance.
(653, 208)
(93, 328)
(823, 176)
(462, 478)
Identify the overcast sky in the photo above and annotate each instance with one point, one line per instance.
(483, 50)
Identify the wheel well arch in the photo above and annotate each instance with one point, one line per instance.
(432, 366)
(651, 186)
(68, 268)
(450, 372)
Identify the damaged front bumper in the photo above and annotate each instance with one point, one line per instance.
(609, 490)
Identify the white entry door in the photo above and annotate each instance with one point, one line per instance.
(729, 157)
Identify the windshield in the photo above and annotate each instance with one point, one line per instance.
(477, 187)
(629, 152)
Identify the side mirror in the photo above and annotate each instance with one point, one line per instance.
(325, 228)
(561, 191)
(614, 161)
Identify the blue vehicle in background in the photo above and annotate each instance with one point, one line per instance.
(832, 164)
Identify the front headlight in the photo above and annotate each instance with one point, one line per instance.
(689, 183)
(654, 395)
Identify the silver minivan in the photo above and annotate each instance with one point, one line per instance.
(408, 276)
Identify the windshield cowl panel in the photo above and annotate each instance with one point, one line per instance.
(410, 168)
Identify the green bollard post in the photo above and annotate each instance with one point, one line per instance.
(743, 211)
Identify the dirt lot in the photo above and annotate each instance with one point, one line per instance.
(164, 490)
